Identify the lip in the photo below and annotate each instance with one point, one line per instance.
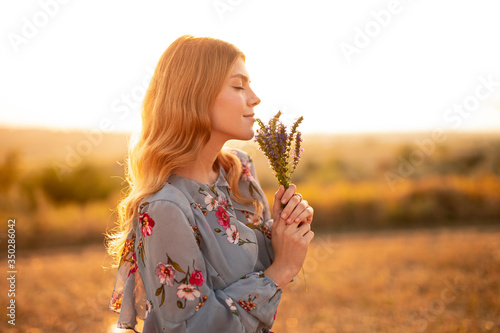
(250, 116)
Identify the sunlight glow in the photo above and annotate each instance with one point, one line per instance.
(348, 67)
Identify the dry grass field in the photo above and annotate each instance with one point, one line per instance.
(420, 254)
(422, 280)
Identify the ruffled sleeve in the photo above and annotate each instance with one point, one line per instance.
(167, 282)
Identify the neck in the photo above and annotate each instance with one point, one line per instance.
(202, 170)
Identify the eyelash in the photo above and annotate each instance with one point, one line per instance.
(239, 88)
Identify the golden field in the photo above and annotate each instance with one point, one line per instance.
(408, 231)
(426, 280)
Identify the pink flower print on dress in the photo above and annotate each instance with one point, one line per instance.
(210, 202)
(233, 235)
(188, 292)
(246, 173)
(147, 224)
(149, 307)
(230, 303)
(197, 278)
(221, 201)
(133, 267)
(166, 273)
(223, 217)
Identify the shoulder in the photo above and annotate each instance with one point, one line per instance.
(248, 172)
(247, 167)
(169, 200)
(169, 193)
(243, 156)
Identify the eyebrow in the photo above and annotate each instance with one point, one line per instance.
(243, 77)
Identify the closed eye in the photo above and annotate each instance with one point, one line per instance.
(239, 88)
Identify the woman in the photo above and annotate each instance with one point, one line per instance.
(194, 234)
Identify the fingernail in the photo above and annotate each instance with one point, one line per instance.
(283, 216)
(283, 200)
(289, 221)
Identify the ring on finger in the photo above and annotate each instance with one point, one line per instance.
(299, 196)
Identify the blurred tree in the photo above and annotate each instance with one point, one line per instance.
(29, 185)
(464, 163)
(468, 162)
(9, 170)
(85, 183)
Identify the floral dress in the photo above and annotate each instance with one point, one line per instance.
(195, 262)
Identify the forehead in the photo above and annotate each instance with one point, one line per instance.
(239, 69)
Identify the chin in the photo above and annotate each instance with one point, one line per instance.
(243, 135)
(249, 136)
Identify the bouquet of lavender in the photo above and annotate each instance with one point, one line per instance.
(281, 148)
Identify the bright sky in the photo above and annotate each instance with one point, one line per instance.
(347, 66)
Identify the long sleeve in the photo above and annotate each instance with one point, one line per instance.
(179, 280)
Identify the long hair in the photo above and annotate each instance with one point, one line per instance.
(176, 125)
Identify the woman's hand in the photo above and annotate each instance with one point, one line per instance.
(290, 241)
(296, 210)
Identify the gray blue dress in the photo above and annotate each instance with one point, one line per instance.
(195, 261)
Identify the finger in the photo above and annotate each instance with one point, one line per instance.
(300, 213)
(310, 217)
(278, 226)
(305, 216)
(306, 233)
(288, 193)
(293, 208)
(308, 237)
(303, 229)
(277, 201)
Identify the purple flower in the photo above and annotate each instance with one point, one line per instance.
(276, 144)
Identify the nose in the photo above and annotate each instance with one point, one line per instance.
(254, 100)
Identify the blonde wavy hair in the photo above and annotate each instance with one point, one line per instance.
(176, 126)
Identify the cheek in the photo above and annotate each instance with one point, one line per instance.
(233, 100)
(230, 105)
(218, 107)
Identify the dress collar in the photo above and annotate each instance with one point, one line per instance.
(192, 185)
